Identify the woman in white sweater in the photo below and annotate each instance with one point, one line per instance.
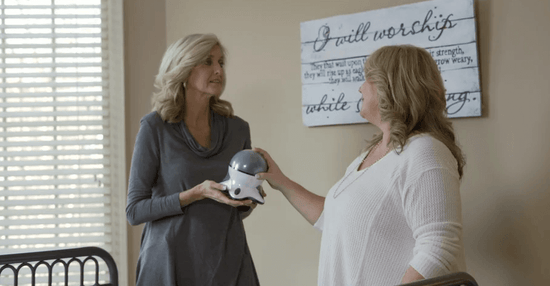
(395, 216)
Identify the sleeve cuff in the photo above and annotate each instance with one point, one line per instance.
(427, 266)
(174, 202)
(319, 224)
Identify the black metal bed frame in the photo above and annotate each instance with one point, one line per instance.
(59, 256)
(453, 279)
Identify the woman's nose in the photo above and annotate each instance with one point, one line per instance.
(218, 69)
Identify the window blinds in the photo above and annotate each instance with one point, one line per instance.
(62, 165)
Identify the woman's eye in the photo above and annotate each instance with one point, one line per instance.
(208, 62)
(222, 64)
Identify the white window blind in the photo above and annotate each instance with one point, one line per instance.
(62, 165)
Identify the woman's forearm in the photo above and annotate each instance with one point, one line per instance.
(142, 208)
(308, 204)
(188, 197)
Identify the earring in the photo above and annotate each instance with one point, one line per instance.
(185, 85)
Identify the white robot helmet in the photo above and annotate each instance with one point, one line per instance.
(240, 180)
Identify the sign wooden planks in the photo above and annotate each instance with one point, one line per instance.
(334, 51)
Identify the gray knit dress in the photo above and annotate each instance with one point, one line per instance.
(203, 243)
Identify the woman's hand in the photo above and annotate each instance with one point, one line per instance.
(274, 176)
(212, 190)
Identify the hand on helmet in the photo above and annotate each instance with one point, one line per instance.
(274, 176)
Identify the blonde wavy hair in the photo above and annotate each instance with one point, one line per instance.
(178, 61)
(411, 97)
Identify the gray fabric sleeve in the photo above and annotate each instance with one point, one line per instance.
(141, 206)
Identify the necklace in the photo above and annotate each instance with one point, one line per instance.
(336, 193)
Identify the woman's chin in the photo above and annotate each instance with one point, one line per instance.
(212, 96)
(214, 93)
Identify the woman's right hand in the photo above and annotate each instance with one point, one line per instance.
(212, 190)
(274, 176)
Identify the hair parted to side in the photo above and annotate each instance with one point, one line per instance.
(411, 97)
(178, 61)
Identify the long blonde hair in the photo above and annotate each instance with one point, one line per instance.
(411, 97)
(178, 61)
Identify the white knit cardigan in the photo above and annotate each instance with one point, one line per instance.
(405, 210)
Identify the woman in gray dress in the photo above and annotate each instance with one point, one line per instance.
(193, 232)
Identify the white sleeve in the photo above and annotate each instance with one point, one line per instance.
(319, 224)
(432, 207)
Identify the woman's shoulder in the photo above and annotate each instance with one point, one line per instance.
(423, 142)
(426, 150)
(236, 122)
(237, 119)
(153, 123)
(152, 118)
